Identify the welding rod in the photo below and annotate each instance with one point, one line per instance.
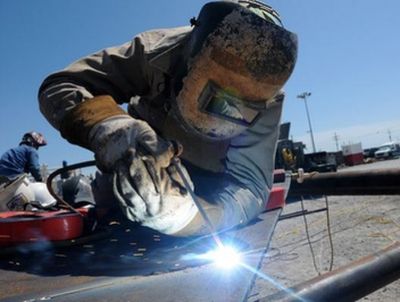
(197, 203)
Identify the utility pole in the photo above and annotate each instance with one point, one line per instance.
(336, 138)
(304, 96)
(390, 135)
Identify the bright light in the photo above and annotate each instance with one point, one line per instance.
(224, 257)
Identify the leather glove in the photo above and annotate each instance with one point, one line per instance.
(153, 195)
(101, 126)
(113, 137)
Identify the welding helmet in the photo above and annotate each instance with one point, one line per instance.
(238, 58)
(34, 139)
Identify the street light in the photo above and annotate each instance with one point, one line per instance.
(304, 96)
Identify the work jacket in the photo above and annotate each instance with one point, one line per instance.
(139, 73)
(19, 160)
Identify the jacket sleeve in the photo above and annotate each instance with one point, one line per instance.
(251, 160)
(119, 72)
(107, 78)
(33, 166)
(249, 170)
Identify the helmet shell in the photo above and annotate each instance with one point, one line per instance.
(247, 56)
(34, 139)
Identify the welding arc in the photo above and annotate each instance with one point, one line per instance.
(198, 204)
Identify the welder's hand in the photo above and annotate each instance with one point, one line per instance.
(153, 195)
(112, 138)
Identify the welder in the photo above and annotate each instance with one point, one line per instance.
(215, 87)
(24, 158)
(17, 191)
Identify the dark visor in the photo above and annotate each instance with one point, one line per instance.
(218, 102)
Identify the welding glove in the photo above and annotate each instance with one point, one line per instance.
(100, 125)
(112, 138)
(150, 191)
(153, 195)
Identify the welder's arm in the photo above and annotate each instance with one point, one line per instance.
(249, 165)
(117, 73)
(82, 102)
(33, 166)
(152, 194)
(223, 210)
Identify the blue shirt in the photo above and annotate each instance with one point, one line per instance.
(19, 160)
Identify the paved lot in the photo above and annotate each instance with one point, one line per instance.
(360, 225)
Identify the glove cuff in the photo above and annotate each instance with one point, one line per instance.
(197, 226)
(77, 123)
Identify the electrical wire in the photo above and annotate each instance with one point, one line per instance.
(308, 238)
(328, 225)
(329, 230)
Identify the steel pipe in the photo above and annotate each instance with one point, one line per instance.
(350, 282)
(368, 182)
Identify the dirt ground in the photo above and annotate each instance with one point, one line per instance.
(360, 225)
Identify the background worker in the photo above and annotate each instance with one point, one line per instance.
(215, 87)
(17, 192)
(24, 158)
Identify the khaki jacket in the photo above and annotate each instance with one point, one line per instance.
(137, 72)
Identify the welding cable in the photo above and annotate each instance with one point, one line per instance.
(329, 230)
(328, 226)
(308, 238)
(57, 172)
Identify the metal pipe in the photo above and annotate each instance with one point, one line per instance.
(371, 182)
(348, 283)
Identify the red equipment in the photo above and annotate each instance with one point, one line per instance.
(21, 227)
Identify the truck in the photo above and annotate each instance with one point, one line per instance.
(388, 150)
(290, 156)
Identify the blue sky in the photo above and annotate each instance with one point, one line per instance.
(348, 59)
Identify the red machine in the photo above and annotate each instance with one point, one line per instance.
(27, 227)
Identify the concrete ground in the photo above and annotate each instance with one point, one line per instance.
(360, 225)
